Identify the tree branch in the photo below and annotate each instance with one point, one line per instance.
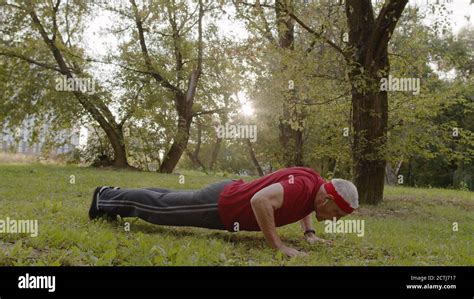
(131, 111)
(200, 44)
(267, 32)
(151, 70)
(32, 61)
(195, 74)
(105, 119)
(203, 112)
(385, 25)
(254, 5)
(54, 16)
(304, 26)
(318, 35)
(309, 103)
(176, 42)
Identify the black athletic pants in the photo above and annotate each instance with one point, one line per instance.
(166, 207)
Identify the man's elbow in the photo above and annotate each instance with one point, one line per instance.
(258, 201)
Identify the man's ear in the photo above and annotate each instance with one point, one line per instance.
(334, 206)
(330, 196)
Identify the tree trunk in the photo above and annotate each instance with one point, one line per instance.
(183, 100)
(94, 106)
(254, 158)
(215, 153)
(390, 176)
(196, 161)
(118, 145)
(178, 146)
(291, 140)
(184, 104)
(399, 166)
(285, 140)
(370, 133)
(298, 156)
(194, 155)
(370, 114)
(368, 60)
(392, 173)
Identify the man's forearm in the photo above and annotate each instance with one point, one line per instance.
(264, 214)
(306, 223)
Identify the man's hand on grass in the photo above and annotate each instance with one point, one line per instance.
(291, 252)
(313, 239)
(310, 237)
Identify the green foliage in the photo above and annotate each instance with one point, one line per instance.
(420, 126)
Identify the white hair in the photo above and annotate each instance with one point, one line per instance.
(348, 191)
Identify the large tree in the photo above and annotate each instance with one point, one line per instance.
(367, 54)
(43, 34)
(183, 97)
(176, 52)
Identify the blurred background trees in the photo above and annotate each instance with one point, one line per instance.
(176, 71)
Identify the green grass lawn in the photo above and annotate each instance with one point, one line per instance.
(411, 227)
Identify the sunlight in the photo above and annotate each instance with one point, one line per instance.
(245, 105)
(247, 109)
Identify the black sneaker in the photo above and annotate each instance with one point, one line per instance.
(94, 211)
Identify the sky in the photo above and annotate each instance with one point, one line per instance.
(461, 12)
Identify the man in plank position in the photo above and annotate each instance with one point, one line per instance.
(282, 197)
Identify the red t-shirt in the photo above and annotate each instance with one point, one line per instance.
(300, 185)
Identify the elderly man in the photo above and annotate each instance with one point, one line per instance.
(282, 197)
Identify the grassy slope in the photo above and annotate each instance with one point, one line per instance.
(411, 227)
